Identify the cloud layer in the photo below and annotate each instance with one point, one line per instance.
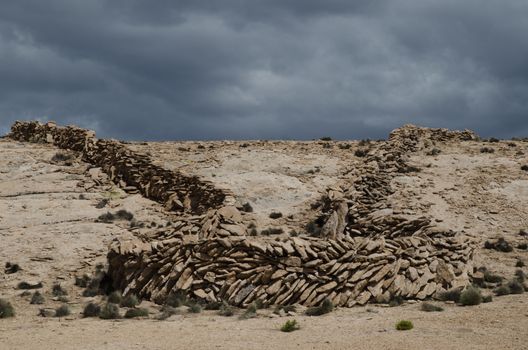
(265, 69)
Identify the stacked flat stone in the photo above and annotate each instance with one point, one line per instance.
(241, 270)
(366, 253)
(130, 170)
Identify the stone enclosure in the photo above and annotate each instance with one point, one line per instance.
(358, 252)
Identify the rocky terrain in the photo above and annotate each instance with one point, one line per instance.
(374, 223)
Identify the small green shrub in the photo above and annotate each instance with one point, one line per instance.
(284, 308)
(428, 307)
(246, 207)
(361, 153)
(177, 299)
(326, 138)
(250, 312)
(133, 313)
(195, 308)
(515, 287)
(519, 275)
(26, 285)
(519, 263)
(82, 281)
(63, 310)
(130, 301)
(11, 268)
(404, 325)
(91, 310)
(106, 217)
(487, 298)
(290, 326)
(213, 305)
(226, 310)
(123, 214)
(487, 150)
(110, 311)
(275, 215)
(58, 291)
(450, 295)
(470, 296)
(325, 307)
(502, 290)
(115, 297)
(6, 309)
(37, 298)
(491, 278)
(396, 301)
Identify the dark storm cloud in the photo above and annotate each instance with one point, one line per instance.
(265, 69)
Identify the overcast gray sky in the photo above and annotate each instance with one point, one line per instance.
(246, 69)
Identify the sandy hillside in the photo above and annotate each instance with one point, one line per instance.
(49, 226)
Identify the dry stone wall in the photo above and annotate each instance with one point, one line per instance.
(365, 254)
(130, 170)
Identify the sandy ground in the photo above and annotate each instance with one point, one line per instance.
(47, 225)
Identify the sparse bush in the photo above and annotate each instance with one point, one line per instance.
(110, 311)
(500, 245)
(450, 295)
(176, 299)
(226, 310)
(63, 310)
(26, 285)
(195, 308)
(37, 298)
(250, 312)
(272, 231)
(524, 167)
(325, 307)
(166, 312)
(91, 310)
(246, 207)
(275, 215)
(115, 297)
(6, 309)
(290, 326)
(106, 217)
(133, 313)
(404, 325)
(487, 150)
(434, 152)
(213, 305)
(61, 157)
(428, 307)
(487, 298)
(82, 281)
(515, 287)
(102, 203)
(326, 138)
(519, 275)
(123, 214)
(522, 246)
(470, 296)
(344, 146)
(313, 229)
(395, 301)
(284, 308)
(253, 232)
(502, 290)
(519, 263)
(58, 291)
(361, 153)
(130, 301)
(11, 268)
(491, 278)
(493, 140)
